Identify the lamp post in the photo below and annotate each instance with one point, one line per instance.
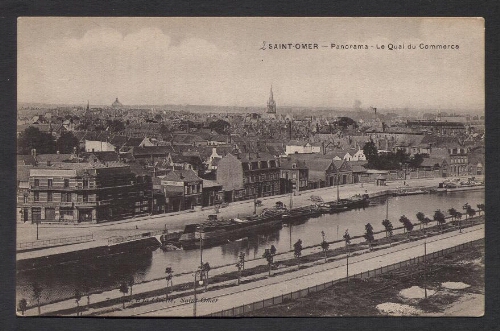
(37, 223)
(196, 273)
(201, 246)
(425, 268)
(347, 239)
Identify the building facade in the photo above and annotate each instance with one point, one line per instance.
(79, 192)
(294, 176)
(248, 175)
(183, 190)
(458, 162)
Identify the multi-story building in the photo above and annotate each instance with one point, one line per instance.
(84, 192)
(458, 162)
(438, 127)
(294, 175)
(248, 175)
(182, 188)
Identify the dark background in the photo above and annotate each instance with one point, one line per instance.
(10, 10)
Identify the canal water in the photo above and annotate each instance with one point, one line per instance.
(60, 282)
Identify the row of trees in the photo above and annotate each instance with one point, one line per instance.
(45, 143)
(389, 161)
(269, 254)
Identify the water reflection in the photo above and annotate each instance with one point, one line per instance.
(60, 282)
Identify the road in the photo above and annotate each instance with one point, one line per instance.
(275, 286)
(26, 232)
(227, 298)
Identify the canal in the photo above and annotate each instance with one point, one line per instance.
(60, 282)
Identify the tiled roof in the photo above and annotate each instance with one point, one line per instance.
(182, 175)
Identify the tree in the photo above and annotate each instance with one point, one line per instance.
(219, 126)
(169, 279)
(239, 265)
(426, 221)
(206, 269)
(78, 297)
(324, 245)
(66, 143)
(480, 208)
(115, 125)
(471, 212)
(416, 160)
(345, 122)
(459, 218)
(371, 154)
(407, 224)
(273, 250)
(130, 283)
(86, 290)
(297, 251)
(388, 227)
(420, 218)
(33, 138)
(22, 306)
(369, 234)
(37, 294)
(269, 258)
(452, 212)
(439, 218)
(347, 239)
(124, 290)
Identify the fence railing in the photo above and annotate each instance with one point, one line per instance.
(117, 240)
(247, 308)
(54, 242)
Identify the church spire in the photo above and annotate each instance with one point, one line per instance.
(271, 104)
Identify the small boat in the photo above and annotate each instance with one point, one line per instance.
(405, 192)
(465, 188)
(302, 212)
(333, 207)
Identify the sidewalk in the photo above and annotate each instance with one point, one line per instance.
(188, 278)
(228, 298)
(177, 221)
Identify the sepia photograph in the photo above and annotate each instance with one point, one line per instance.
(250, 167)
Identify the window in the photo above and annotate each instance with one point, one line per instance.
(85, 183)
(66, 197)
(36, 196)
(49, 196)
(49, 182)
(25, 198)
(37, 182)
(85, 197)
(66, 183)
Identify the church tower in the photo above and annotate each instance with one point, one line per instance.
(271, 104)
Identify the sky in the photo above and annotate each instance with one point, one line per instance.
(219, 61)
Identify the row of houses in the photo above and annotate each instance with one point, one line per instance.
(104, 186)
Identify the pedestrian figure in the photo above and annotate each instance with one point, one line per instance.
(136, 227)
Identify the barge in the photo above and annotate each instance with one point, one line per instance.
(301, 213)
(219, 231)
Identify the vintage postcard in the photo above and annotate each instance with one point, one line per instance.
(246, 167)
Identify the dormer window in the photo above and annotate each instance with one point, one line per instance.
(294, 166)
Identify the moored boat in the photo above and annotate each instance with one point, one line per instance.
(302, 212)
(219, 231)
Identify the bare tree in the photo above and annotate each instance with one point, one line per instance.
(37, 294)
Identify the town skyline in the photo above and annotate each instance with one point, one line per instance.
(216, 62)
